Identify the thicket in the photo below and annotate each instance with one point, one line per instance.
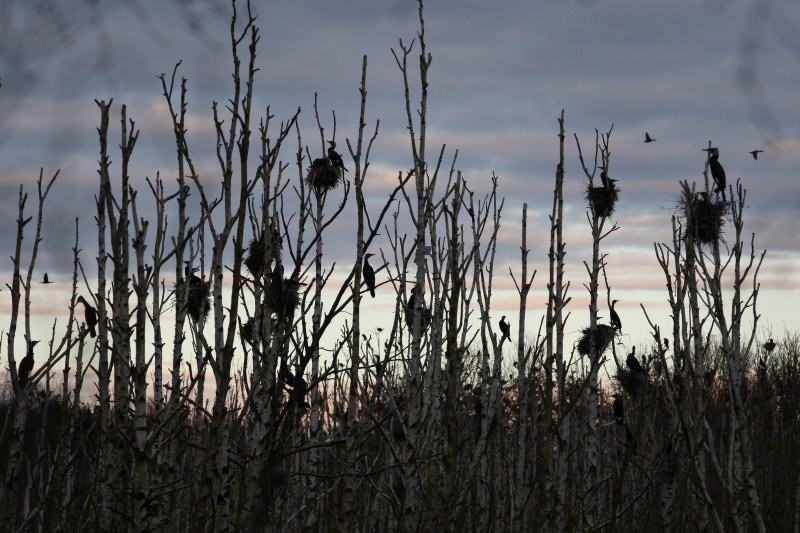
(420, 428)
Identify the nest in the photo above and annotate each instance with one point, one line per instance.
(604, 334)
(705, 218)
(257, 257)
(198, 301)
(323, 175)
(283, 298)
(632, 381)
(602, 199)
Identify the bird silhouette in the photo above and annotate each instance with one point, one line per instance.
(632, 362)
(769, 345)
(755, 153)
(90, 316)
(608, 183)
(616, 323)
(369, 275)
(717, 172)
(647, 138)
(26, 366)
(333, 155)
(505, 328)
(619, 409)
(46, 279)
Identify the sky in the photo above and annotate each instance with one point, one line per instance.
(686, 71)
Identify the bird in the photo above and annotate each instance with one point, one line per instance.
(608, 183)
(333, 155)
(619, 409)
(632, 362)
(616, 323)
(46, 279)
(25, 366)
(769, 345)
(755, 153)
(369, 275)
(666, 343)
(505, 327)
(717, 172)
(90, 315)
(647, 138)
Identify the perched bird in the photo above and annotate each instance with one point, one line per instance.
(333, 155)
(505, 328)
(619, 409)
(90, 315)
(769, 345)
(755, 153)
(632, 362)
(666, 343)
(369, 275)
(25, 366)
(616, 323)
(608, 183)
(647, 138)
(717, 172)
(46, 280)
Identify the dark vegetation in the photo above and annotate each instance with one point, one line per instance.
(424, 425)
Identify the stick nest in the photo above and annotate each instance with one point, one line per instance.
(632, 381)
(262, 251)
(705, 217)
(199, 298)
(323, 175)
(604, 334)
(602, 199)
(283, 298)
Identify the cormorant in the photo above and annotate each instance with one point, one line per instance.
(90, 315)
(46, 280)
(717, 172)
(619, 409)
(632, 362)
(616, 323)
(25, 366)
(369, 275)
(647, 138)
(608, 183)
(333, 155)
(666, 343)
(755, 153)
(505, 328)
(769, 345)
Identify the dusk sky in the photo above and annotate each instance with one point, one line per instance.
(686, 71)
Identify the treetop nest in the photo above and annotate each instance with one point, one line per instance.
(705, 217)
(323, 175)
(257, 258)
(602, 199)
(604, 334)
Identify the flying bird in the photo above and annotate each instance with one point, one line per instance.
(26, 366)
(616, 323)
(755, 153)
(90, 315)
(632, 362)
(717, 172)
(647, 138)
(333, 155)
(46, 279)
(505, 328)
(619, 409)
(369, 275)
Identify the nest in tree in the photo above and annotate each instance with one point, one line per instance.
(632, 381)
(602, 199)
(257, 253)
(705, 217)
(246, 331)
(283, 298)
(198, 300)
(323, 175)
(603, 335)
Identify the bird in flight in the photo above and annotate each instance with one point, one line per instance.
(647, 138)
(755, 153)
(46, 280)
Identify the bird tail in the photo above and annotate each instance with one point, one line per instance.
(372, 292)
(92, 332)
